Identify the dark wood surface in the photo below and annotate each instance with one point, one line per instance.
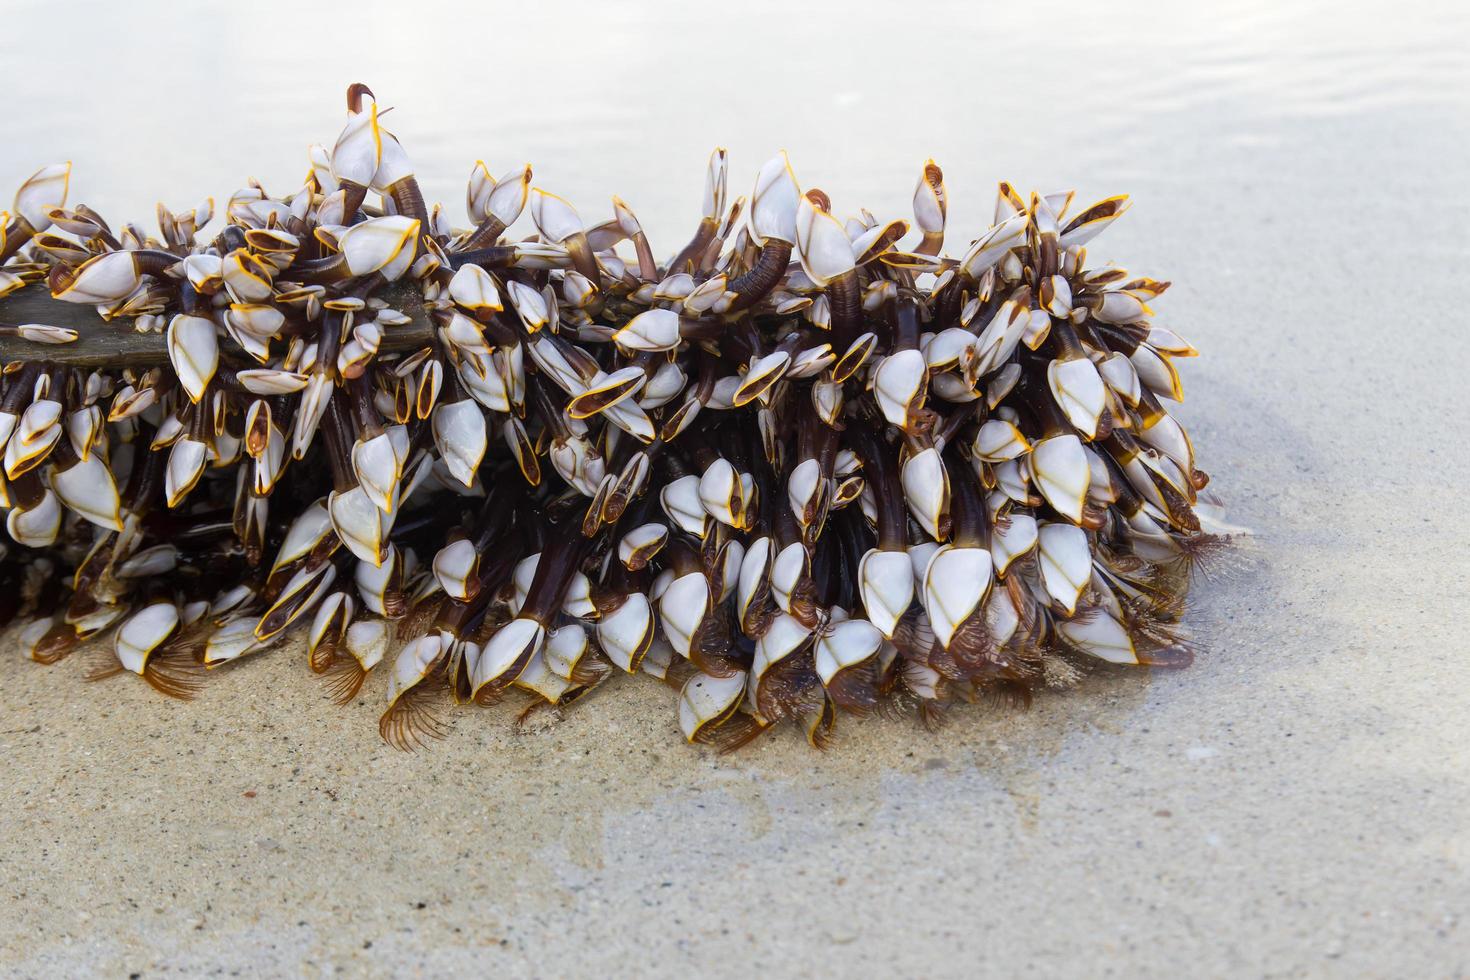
(101, 342)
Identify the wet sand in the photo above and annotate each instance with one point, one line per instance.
(1293, 805)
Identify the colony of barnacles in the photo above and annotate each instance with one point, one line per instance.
(797, 470)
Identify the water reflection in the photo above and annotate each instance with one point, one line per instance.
(631, 99)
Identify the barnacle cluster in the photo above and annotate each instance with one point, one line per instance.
(796, 471)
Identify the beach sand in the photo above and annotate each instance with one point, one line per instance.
(1292, 805)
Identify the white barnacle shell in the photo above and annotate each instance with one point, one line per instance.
(456, 566)
(1078, 389)
(1100, 635)
(626, 633)
(653, 330)
(899, 386)
(683, 504)
(706, 700)
(194, 352)
(926, 489)
(1066, 563)
(774, 201)
(784, 636)
(412, 664)
(1059, 467)
(507, 652)
(143, 632)
(88, 488)
(42, 192)
(999, 440)
(474, 289)
(956, 582)
(844, 645)
(886, 583)
(1010, 539)
(821, 243)
(682, 609)
(385, 245)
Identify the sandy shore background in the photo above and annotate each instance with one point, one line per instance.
(1293, 805)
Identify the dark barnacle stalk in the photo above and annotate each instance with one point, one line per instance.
(796, 472)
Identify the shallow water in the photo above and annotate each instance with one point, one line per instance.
(1135, 96)
(1292, 805)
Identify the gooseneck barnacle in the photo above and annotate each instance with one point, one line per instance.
(796, 472)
